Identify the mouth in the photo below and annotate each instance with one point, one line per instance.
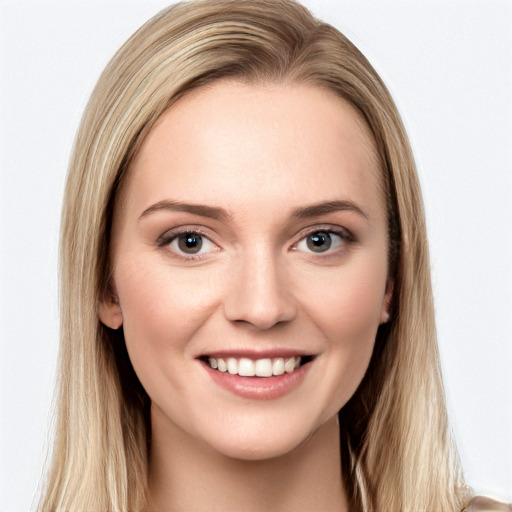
(258, 375)
(263, 367)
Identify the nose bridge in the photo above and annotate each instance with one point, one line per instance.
(258, 294)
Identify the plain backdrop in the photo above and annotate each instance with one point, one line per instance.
(449, 66)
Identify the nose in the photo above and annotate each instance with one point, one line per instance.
(259, 294)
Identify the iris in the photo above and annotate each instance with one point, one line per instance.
(319, 242)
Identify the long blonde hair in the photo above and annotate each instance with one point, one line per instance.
(396, 450)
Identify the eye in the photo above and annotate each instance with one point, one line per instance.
(321, 241)
(188, 244)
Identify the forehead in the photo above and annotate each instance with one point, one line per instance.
(236, 144)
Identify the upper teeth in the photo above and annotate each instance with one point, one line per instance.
(260, 367)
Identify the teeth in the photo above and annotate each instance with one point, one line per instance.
(278, 366)
(263, 368)
(246, 368)
(260, 367)
(232, 364)
(289, 364)
(221, 365)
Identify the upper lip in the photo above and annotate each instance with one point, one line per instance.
(257, 353)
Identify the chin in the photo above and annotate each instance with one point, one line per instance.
(259, 450)
(259, 442)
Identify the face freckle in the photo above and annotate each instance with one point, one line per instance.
(252, 226)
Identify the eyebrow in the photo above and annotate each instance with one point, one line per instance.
(325, 207)
(213, 212)
(196, 209)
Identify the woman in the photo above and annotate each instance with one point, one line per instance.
(169, 273)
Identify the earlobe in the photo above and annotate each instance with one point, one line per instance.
(109, 312)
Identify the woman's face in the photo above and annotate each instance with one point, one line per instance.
(251, 234)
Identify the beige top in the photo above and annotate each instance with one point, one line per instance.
(484, 504)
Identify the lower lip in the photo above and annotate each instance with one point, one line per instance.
(259, 388)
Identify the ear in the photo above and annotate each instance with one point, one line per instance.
(386, 301)
(109, 311)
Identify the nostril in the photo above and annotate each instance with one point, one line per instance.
(245, 313)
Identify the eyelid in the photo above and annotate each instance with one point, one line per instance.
(328, 228)
(180, 230)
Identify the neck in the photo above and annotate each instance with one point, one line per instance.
(185, 475)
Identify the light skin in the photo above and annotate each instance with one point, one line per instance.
(279, 188)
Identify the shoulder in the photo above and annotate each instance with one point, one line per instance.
(485, 504)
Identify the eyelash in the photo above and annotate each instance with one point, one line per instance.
(169, 237)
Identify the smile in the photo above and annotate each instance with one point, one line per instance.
(266, 367)
(260, 378)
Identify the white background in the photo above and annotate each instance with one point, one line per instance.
(448, 64)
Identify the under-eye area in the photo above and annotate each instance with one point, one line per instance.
(264, 367)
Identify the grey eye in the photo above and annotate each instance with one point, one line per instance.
(319, 241)
(322, 241)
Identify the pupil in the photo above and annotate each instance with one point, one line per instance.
(190, 243)
(319, 242)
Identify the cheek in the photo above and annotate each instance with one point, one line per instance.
(346, 310)
(162, 308)
(346, 305)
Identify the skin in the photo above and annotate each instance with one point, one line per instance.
(260, 153)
